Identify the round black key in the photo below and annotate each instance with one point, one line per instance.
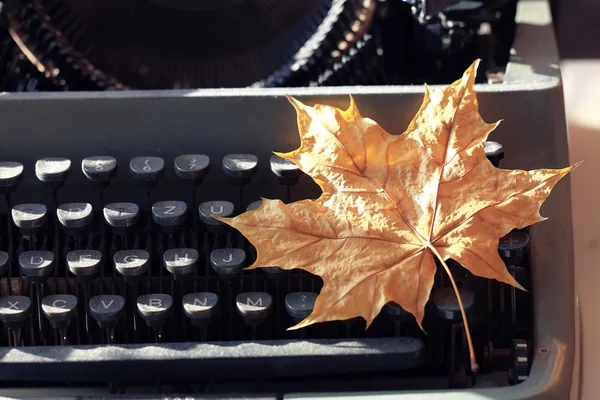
(445, 303)
(192, 167)
(75, 216)
(132, 264)
(106, 309)
(182, 263)
(155, 309)
(494, 152)
(228, 263)
(36, 265)
(200, 308)
(29, 218)
(84, 264)
(254, 205)
(99, 169)
(121, 216)
(395, 312)
(11, 173)
(3, 263)
(59, 309)
(274, 273)
(220, 208)
(299, 305)
(147, 169)
(14, 310)
(254, 307)
(240, 167)
(287, 171)
(169, 215)
(53, 170)
(512, 247)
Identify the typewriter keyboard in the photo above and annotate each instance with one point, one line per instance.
(144, 291)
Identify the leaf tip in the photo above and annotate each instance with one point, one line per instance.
(298, 105)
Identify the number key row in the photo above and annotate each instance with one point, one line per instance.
(54, 171)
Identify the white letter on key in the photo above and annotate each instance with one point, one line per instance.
(251, 303)
(41, 260)
(155, 302)
(55, 303)
(107, 305)
(197, 301)
(129, 259)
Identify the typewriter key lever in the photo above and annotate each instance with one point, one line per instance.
(254, 307)
(14, 312)
(169, 215)
(446, 307)
(200, 308)
(182, 263)
(74, 218)
(512, 249)
(11, 173)
(223, 209)
(192, 167)
(59, 310)
(155, 309)
(53, 171)
(132, 264)
(29, 218)
(106, 309)
(99, 170)
(494, 152)
(122, 217)
(228, 263)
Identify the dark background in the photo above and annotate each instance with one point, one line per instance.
(577, 25)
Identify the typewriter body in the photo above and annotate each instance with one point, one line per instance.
(110, 289)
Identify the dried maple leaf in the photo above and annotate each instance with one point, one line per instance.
(391, 204)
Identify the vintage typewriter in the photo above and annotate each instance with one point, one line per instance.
(125, 124)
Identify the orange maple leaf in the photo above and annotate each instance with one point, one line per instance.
(391, 204)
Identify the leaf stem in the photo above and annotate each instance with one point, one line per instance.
(474, 365)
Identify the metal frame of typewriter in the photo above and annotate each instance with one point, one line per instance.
(530, 101)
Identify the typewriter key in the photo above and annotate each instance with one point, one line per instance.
(29, 218)
(132, 264)
(445, 303)
(228, 263)
(287, 172)
(106, 309)
(84, 264)
(240, 167)
(220, 208)
(147, 169)
(99, 169)
(299, 305)
(11, 173)
(182, 263)
(155, 308)
(14, 311)
(169, 215)
(36, 265)
(59, 309)
(53, 171)
(494, 152)
(75, 217)
(200, 308)
(254, 307)
(121, 216)
(192, 167)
